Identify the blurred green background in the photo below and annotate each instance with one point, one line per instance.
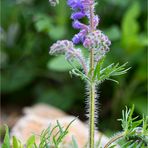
(30, 75)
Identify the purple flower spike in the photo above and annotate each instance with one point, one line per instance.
(82, 9)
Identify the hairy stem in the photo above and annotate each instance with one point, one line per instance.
(92, 89)
(92, 116)
(83, 64)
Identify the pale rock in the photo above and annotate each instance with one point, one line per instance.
(39, 117)
(44, 111)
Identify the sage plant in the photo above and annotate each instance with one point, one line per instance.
(97, 43)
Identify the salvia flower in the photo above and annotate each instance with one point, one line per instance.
(98, 41)
(67, 47)
(81, 9)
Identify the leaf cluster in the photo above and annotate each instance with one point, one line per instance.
(49, 138)
(135, 131)
(102, 73)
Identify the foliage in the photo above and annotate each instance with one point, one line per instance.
(134, 134)
(134, 131)
(6, 143)
(110, 71)
(50, 137)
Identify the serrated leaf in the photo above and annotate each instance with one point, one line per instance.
(112, 70)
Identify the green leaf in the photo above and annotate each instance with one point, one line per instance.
(53, 98)
(31, 141)
(113, 33)
(16, 78)
(98, 68)
(112, 70)
(118, 3)
(113, 80)
(136, 123)
(141, 72)
(126, 144)
(45, 137)
(15, 142)
(59, 126)
(57, 32)
(6, 142)
(140, 105)
(74, 143)
(130, 29)
(62, 14)
(113, 146)
(60, 64)
(42, 23)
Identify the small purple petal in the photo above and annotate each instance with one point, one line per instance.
(96, 20)
(75, 4)
(77, 25)
(77, 15)
(76, 39)
(82, 34)
(80, 37)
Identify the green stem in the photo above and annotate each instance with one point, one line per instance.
(92, 116)
(115, 138)
(92, 88)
